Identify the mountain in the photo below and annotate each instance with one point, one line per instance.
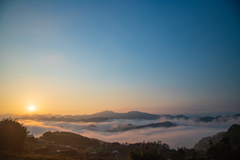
(34, 117)
(126, 127)
(46, 118)
(218, 118)
(203, 144)
(122, 127)
(97, 117)
(72, 146)
(137, 115)
(232, 135)
(128, 115)
(91, 127)
(106, 115)
(156, 125)
(68, 138)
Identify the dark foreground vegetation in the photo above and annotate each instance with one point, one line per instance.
(15, 143)
(12, 135)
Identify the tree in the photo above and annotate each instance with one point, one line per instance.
(150, 150)
(228, 147)
(221, 150)
(12, 135)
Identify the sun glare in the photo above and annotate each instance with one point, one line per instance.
(31, 108)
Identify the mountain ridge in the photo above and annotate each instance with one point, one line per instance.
(126, 127)
(107, 115)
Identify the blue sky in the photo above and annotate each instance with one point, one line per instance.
(88, 56)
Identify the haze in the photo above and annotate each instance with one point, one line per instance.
(186, 133)
(82, 57)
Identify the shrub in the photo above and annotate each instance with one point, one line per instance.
(12, 135)
(153, 151)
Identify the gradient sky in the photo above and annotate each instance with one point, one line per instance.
(82, 57)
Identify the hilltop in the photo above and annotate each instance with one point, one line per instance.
(232, 135)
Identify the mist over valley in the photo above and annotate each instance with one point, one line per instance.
(132, 127)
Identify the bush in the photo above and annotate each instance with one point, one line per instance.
(153, 151)
(12, 135)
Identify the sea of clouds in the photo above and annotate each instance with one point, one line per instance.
(186, 134)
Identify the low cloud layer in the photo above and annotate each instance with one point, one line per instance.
(186, 134)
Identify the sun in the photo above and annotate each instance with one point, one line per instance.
(31, 108)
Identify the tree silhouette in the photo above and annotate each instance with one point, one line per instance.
(150, 150)
(12, 135)
(228, 147)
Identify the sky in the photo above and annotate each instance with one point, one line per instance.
(82, 57)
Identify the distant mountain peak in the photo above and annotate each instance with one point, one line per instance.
(106, 111)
